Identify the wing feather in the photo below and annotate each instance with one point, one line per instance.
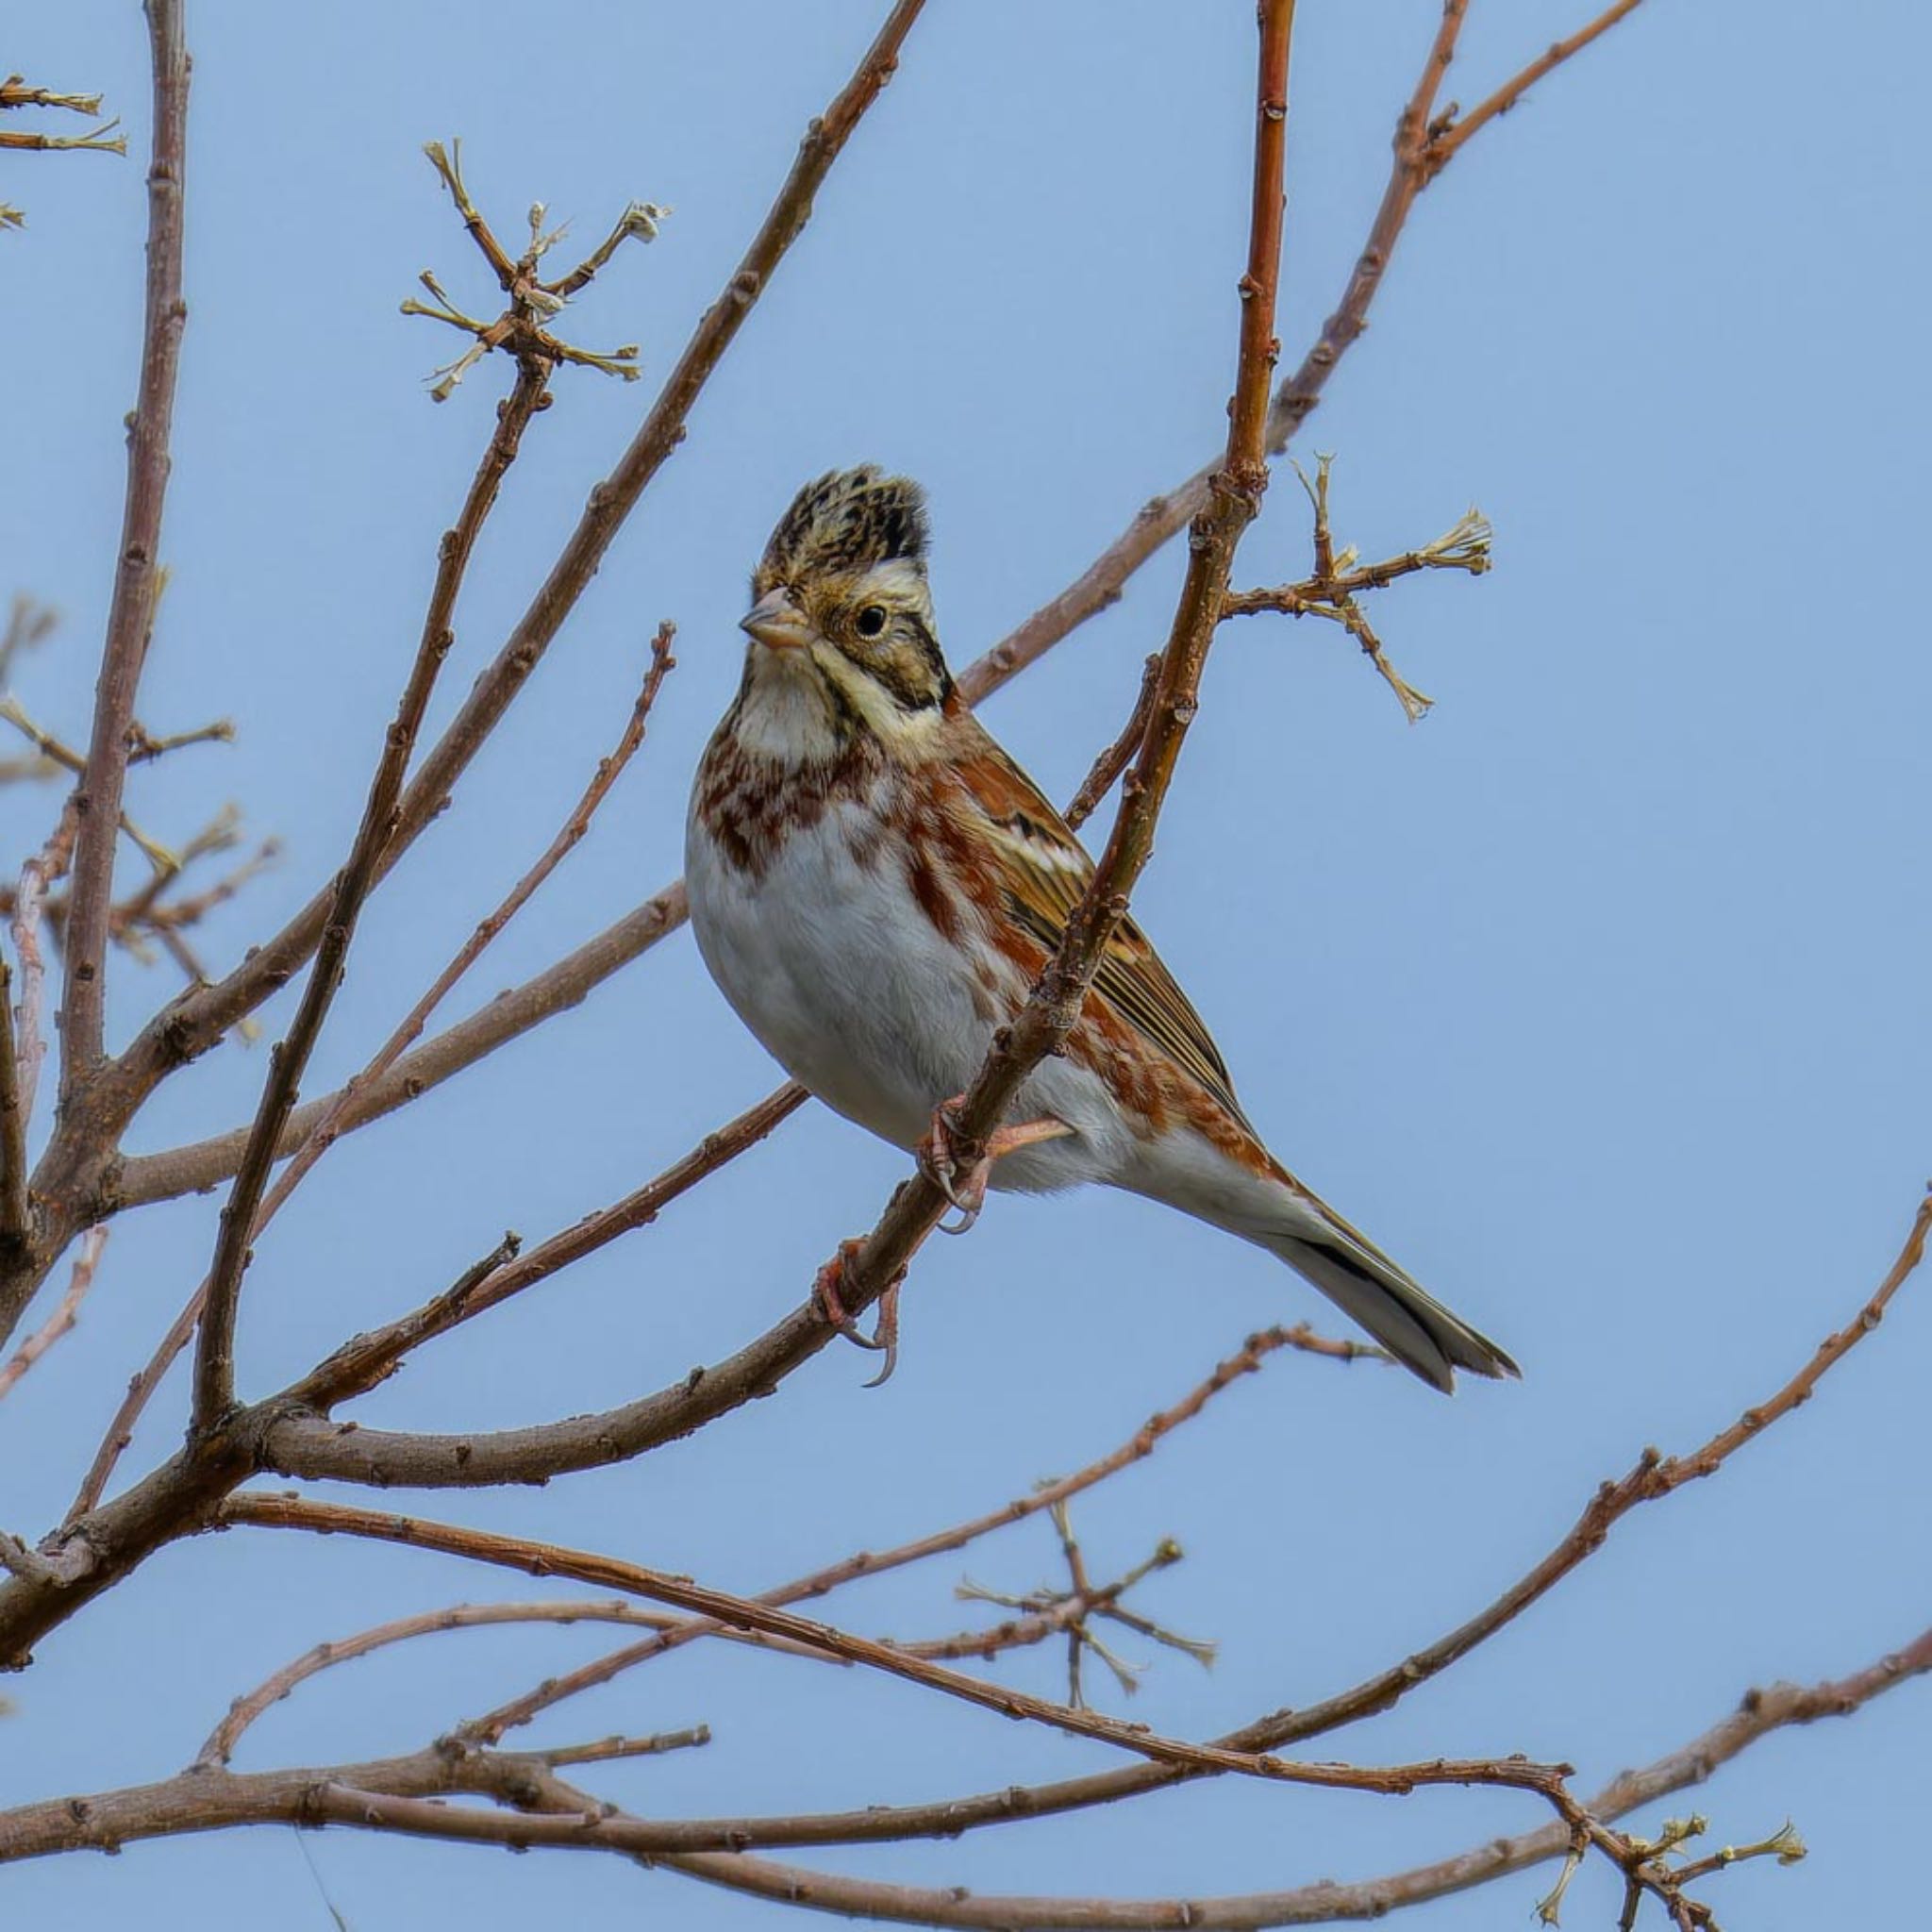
(1044, 873)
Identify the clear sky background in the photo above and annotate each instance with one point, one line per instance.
(1598, 997)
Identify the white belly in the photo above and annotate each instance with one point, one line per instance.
(852, 990)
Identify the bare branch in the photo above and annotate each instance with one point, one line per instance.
(14, 1210)
(97, 798)
(1108, 766)
(1447, 140)
(1650, 1479)
(211, 1799)
(218, 1746)
(86, 1259)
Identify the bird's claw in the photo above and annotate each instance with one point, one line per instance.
(940, 1166)
(885, 1337)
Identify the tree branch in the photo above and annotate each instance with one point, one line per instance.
(130, 614)
(86, 1259)
(1445, 143)
(14, 1210)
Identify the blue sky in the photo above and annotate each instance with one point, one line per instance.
(1595, 997)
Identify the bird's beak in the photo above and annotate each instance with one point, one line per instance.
(776, 622)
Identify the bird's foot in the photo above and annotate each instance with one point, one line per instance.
(939, 1163)
(885, 1336)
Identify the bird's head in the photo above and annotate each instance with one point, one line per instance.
(842, 620)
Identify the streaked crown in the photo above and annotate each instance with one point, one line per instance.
(845, 524)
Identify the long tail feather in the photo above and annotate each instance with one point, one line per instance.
(1414, 1327)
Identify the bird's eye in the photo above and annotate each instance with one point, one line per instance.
(871, 621)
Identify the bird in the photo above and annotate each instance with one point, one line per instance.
(874, 885)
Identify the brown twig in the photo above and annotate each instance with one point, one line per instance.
(1327, 1902)
(98, 797)
(214, 1365)
(602, 1572)
(602, 1750)
(16, 93)
(522, 329)
(1108, 766)
(86, 1259)
(36, 876)
(1332, 590)
(218, 1746)
(14, 1208)
(101, 140)
(1446, 141)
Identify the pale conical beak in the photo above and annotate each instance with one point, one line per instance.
(776, 622)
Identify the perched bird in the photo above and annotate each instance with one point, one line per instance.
(875, 885)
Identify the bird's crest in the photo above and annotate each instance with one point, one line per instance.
(848, 520)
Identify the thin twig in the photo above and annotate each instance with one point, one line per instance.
(131, 615)
(1445, 143)
(14, 1211)
(86, 1259)
(603, 1750)
(1119, 755)
(36, 876)
(1647, 1481)
(218, 1746)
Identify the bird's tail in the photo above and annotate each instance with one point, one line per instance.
(1251, 1194)
(1407, 1320)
